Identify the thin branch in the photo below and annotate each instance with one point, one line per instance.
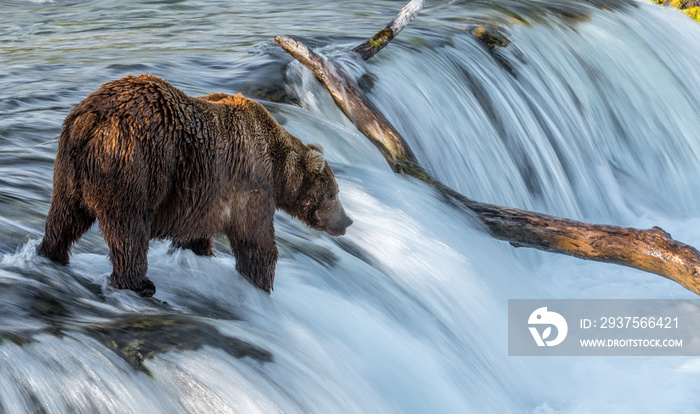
(384, 36)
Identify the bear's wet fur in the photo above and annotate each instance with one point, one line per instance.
(149, 162)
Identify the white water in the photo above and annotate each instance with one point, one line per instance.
(407, 312)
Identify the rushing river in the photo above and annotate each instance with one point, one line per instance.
(592, 111)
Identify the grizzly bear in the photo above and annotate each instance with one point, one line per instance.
(149, 162)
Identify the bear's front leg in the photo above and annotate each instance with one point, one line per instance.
(251, 234)
(256, 263)
(127, 238)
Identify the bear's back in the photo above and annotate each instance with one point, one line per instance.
(140, 108)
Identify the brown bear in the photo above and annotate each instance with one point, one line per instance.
(149, 162)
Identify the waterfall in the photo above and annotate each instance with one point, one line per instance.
(594, 117)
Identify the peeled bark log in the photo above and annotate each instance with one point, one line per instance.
(651, 250)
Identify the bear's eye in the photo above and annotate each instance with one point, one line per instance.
(331, 196)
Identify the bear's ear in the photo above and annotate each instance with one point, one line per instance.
(314, 161)
(316, 146)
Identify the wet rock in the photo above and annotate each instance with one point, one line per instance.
(136, 338)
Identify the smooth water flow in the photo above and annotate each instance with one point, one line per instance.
(591, 112)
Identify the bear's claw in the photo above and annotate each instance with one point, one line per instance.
(145, 288)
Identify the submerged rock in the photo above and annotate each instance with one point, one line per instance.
(139, 337)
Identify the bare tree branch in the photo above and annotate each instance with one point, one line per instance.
(384, 36)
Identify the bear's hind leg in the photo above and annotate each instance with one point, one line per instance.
(200, 247)
(66, 222)
(127, 238)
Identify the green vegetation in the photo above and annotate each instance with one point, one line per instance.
(693, 13)
(690, 7)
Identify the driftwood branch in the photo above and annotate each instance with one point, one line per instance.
(650, 250)
(354, 104)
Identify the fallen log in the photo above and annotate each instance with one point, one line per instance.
(650, 250)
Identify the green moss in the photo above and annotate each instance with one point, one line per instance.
(489, 37)
(381, 38)
(15, 339)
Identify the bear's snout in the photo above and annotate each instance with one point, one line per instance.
(340, 229)
(335, 223)
(340, 222)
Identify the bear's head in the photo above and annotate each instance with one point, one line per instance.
(317, 202)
